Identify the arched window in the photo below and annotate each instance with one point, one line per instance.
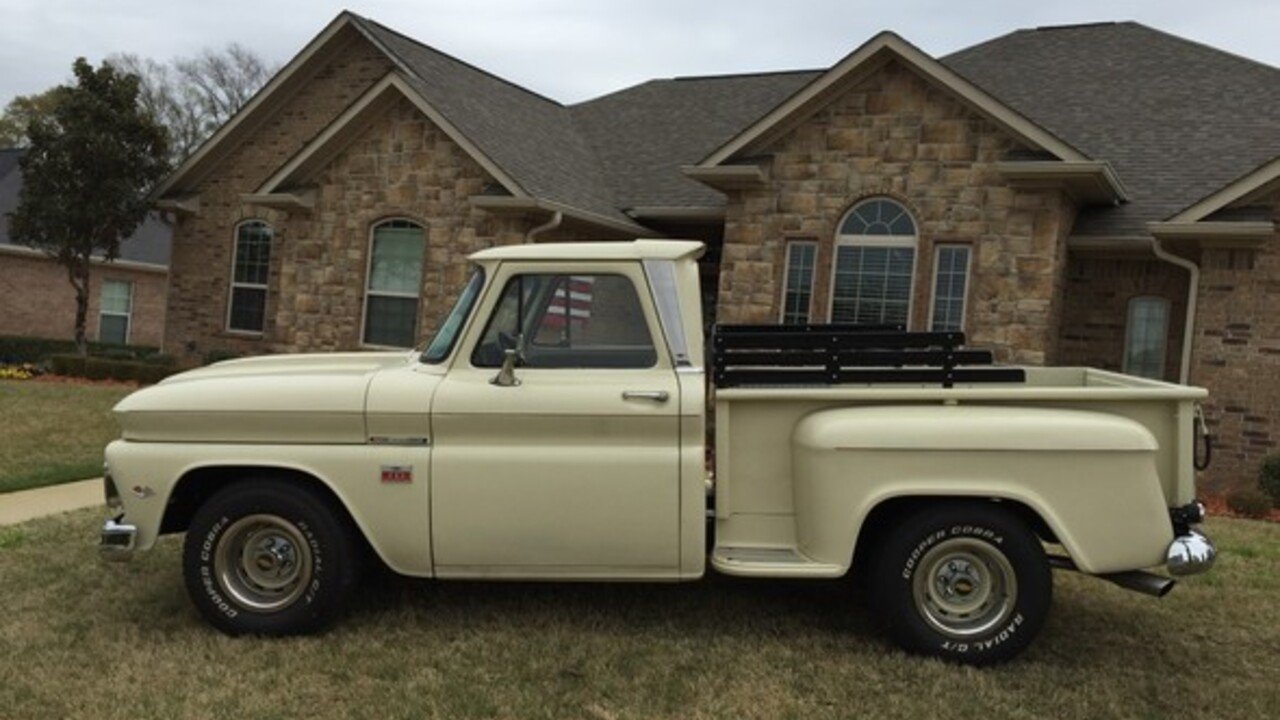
(1145, 336)
(394, 285)
(250, 270)
(875, 258)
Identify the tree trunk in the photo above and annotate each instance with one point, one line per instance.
(79, 272)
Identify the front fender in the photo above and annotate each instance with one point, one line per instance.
(1090, 476)
(394, 517)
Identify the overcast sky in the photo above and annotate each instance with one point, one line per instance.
(576, 49)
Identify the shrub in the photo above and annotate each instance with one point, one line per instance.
(69, 365)
(160, 359)
(1249, 502)
(14, 350)
(218, 355)
(103, 368)
(1269, 478)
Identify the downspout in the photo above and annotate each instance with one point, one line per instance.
(1193, 292)
(556, 218)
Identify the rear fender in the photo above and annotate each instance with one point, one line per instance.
(1090, 477)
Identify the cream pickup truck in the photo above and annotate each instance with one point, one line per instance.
(555, 427)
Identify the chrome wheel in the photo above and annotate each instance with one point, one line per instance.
(263, 562)
(964, 588)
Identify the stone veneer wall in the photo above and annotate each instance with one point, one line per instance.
(202, 247)
(402, 166)
(895, 135)
(1096, 309)
(1237, 357)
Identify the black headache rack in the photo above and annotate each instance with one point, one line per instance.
(836, 354)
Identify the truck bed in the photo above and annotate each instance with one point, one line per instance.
(761, 480)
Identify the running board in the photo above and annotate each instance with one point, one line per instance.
(770, 562)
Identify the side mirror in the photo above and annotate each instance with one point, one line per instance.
(506, 376)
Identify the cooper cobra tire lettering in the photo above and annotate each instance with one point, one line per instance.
(323, 530)
(901, 556)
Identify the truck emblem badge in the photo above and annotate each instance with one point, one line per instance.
(397, 473)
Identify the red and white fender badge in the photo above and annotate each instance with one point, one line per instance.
(397, 473)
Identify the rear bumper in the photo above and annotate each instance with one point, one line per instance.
(117, 541)
(1190, 554)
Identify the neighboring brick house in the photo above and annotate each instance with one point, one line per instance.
(127, 297)
(1064, 195)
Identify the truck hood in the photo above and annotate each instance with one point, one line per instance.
(317, 398)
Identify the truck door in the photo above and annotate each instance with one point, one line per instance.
(568, 465)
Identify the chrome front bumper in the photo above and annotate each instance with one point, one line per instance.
(117, 541)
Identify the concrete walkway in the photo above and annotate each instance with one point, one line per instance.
(24, 505)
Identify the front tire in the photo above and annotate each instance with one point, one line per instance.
(966, 582)
(267, 557)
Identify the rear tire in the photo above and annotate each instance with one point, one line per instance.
(965, 582)
(267, 557)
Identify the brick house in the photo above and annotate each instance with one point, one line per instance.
(1094, 194)
(127, 296)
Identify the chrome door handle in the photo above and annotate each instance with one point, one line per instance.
(660, 396)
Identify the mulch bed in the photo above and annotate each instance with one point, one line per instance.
(1217, 507)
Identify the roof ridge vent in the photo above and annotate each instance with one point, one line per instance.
(1076, 26)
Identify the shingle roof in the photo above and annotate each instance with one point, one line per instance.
(150, 243)
(1177, 119)
(643, 134)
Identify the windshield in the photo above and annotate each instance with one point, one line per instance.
(442, 344)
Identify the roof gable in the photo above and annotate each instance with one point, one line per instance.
(531, 138)
(335, 34)
(345, 128)
(869, 57)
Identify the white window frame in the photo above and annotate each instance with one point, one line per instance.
(128, 316)
(879, 241)
(1128, 333)
(786, 279)
(968, 278)
(231, 286)
(368, 277)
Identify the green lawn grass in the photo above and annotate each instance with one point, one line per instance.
(52, 432)
(83, 639)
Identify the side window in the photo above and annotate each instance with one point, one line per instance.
(568, 321)
(1145, 336)
(250, 269)
(797, 282)
(394, 284)
(115, 311)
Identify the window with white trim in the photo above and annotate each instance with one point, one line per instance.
(875, 257)
(394, 285)
(115, 311)
(250, 269)
(950, 283)
(797, 283)
(1145, 337)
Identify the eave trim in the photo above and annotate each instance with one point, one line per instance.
(509, 204)
(1089, 180)
(727, 176)
(1249, 232)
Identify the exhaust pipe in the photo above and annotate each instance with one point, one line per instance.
(1135, 580)
(1141, 581)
